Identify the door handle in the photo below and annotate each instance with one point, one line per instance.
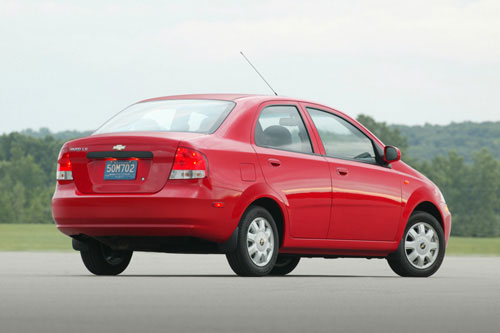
(274, 162)
(342, 171)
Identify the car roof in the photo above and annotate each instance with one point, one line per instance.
(229, 97)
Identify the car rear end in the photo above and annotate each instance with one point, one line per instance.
(142, 174)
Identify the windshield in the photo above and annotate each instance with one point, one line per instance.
(176, 115)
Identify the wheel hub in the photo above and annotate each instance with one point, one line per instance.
(422, 247)
(260, 241)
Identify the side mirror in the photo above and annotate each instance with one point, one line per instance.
(391, 154)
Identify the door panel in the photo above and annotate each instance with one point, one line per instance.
(366, 201)
(304, 181)
(291, 169)
(366, 197)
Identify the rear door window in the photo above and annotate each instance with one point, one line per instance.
(282, 127)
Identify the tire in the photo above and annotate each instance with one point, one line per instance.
(284, 264)
(102, 260)
(418, 253)
(257, 246)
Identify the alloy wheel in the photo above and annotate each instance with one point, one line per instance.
(260, 241)
(421, 245)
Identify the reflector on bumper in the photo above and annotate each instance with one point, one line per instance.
(64, 175)
(187, 174)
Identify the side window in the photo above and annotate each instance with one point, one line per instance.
(340, 138)
(282, 127)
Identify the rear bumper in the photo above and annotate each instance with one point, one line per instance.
(177, 210)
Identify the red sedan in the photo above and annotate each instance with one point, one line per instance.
(264, 180)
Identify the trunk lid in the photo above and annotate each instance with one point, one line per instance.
(154, 153)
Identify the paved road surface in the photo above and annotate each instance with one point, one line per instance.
(52, 292)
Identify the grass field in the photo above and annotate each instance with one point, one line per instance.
(45, 237)
(32, 237)
(473, 246)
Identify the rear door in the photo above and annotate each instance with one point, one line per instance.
(293, 169)
(366, 203)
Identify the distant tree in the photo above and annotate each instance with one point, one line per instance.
(471, 191)
(388, 135)
(427, 141)
(482, 197)
(27, 169)
(63, 135)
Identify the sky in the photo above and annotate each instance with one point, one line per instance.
(73, 64)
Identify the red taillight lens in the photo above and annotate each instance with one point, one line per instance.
(189, 164)
(64, 163)
(64, 169)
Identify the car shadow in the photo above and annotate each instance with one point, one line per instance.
(235, 276)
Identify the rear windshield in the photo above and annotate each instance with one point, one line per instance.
(176, 115)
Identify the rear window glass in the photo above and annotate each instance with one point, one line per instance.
(197, 116)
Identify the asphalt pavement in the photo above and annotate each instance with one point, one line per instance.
(53, 292)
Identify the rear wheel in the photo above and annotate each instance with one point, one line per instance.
(285, 264)
(421, 250)
(257, 247)
(102, 260)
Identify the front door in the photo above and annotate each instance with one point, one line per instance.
(366, 202)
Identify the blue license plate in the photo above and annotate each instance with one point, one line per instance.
(120, 170)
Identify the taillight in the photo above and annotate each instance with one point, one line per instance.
(64, 170)
(189, 164)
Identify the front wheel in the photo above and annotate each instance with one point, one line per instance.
(257, 246)
(102, 260)
(421, 250)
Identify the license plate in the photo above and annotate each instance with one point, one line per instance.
(120, 170)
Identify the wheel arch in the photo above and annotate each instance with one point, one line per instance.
(421, 206)
(262, 195)
(276, 212)
(422, 199)
(429, 207)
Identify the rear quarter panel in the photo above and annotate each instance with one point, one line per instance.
(233, 163)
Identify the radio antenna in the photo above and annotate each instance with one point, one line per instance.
(258, 73)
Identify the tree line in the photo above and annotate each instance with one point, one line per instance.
(470, 182)
(428, 141)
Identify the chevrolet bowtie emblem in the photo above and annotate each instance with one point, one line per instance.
(119, 147)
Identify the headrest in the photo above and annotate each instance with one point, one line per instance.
(278, 136)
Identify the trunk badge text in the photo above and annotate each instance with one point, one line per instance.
(119, 147)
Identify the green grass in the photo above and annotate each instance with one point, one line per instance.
(32, 237)
(473, 246)
(46, 237)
